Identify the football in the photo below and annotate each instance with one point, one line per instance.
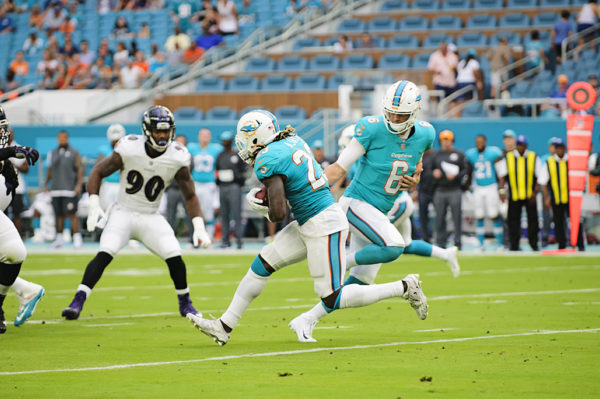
(262, 195)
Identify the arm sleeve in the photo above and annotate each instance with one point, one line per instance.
(351, 154)
(5, 153)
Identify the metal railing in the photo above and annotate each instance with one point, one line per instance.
(443, 105)
(18, 91)
(534, 102)
(564, 45)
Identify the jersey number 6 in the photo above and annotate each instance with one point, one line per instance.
(392, 184)
(298, 157)
(153, 187)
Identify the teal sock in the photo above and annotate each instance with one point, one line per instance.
(498, 231)
(353, 280)
(480, 230)
(419, 247)
(373, 254)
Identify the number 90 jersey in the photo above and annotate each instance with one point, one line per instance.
(306, 187)
(387, 157)
(144, 179)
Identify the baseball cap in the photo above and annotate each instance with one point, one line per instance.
(446, 134)
(318, 144)
(226, 136)
(452, 47)
(562, 78)
(552, 140)
(558, 142)
(510, 133)
(521, 139)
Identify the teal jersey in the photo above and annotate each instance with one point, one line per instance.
(184, 9)
(203, 161)
(387, 157)
(545, 157)
(107, 150)
(484, 172)
(306, 186)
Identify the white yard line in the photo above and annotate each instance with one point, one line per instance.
(109, 325)
(521, 293)
(299, 351)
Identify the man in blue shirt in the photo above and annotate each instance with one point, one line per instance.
(6, 23)
(561, 31)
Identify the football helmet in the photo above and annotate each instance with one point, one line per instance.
(158, 118)
(346, 137)
(4, 129)
(255, 130)
(401, 98)
(115, 132)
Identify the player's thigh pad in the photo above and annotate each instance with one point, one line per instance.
(364, 273)
(286, 249)
(326, 258)
(492, 201)
(156, 234)
(117, 231)
(12, 249)
(372, 224)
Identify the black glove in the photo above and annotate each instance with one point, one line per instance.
(10, 178)
(31, 154)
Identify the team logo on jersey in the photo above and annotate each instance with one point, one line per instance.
(263, 170)
(250, 127)
(403, 146)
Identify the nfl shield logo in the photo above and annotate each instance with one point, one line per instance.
(402, 146)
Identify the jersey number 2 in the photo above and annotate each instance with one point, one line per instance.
(300, 156)
(153, 187)
(392, 184)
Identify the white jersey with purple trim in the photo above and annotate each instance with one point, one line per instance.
(143, 179)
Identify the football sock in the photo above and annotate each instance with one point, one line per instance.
(419, 247)
(85, 288)
(373, 254)
(21, 287)
(438, 252)
(8, 274)
(498, 231)
(249, 288)
(177, 271)
(480, 231)
(353, 280)
(355, 296)
(317, 312)
(95, 268)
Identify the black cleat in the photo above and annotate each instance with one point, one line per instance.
(72, 312)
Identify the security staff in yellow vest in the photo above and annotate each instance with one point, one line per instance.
(520, 168)
(554, 181)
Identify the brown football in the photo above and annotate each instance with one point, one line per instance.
(262, 195)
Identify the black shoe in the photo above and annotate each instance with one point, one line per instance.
(2, 322)
(73, 311)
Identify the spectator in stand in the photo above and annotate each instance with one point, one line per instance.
(175, 56)
(366, 41)
(469, 73)
(184, 13)
(86, 55)
(82, 79)
(208, 39)
(69, 25)
(193, 53)
(141, 63)
(209, 16)
(59, 78)
(228, 17)
(19, 66)
(535, 49)
(33, 44)
(133, 49)
(144, 32)
(178, 37)
(499, 57)
(130, 76)
(47, 81)
(121, 55)
(247, 13)
(6, 22)
(158, 63)
(561, 31)
(586, 18)
(69, 48)
(156, 5)
(121, 29)
(293, 7)
(54, 17)
(46, 63)
(10, 83)
(101, 74)
(443, 65)
(105, 52)
(343, 44)
(106, 6)
(36, 18)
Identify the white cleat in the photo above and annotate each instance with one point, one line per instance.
(415, 296)
(212, 328)
(303, 327)
(452, 261)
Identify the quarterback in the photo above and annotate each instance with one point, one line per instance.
(284, 163)
(147, 163)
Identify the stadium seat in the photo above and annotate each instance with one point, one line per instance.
(543, 88)
(382, 24)
(473, 109)
(521, 4)
(324, 63)
(394, 5)
(188, 114)
(319, 113)
(514, 39)
(515, 20)
(339, 79)
(276, 83)
(260, 64)
(456, 4)
(357, 61)
(555, 3)
(434, 40)
(290, 112)
(394, 61)
(414, 23)
(545, 75)
(211, 84)
(377, 40)
(331, 41)
(481, 21)
(550, 113)
(426, 5)
(487, 4)
(545, 19)
(352, 26)
(309, 81)
(446, 22)
(243, 83)
(521, 89)
(221, 113)
(403, 41)
(472, 39)
(420, 61)
(245, 110)
(306, 42)
(292, 63)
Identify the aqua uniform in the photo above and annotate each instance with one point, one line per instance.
(484, 172)
(184, 9)
(203, 160)
(106, 150)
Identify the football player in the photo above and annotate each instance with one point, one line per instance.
(147, 164)
(12, 249)
(283, 162)
(389, 149)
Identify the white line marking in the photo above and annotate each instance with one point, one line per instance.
(523, 293)
(109, 325)
(580, 303)
(436, 330)
(331, 327)
(487, 302)
(300, 351)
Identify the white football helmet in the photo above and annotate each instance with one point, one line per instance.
(402, 98)
(255, 130)
(115, 132)
(346, 137)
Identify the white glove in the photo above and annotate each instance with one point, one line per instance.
(200, 235)
(256, 204)
(96, 216)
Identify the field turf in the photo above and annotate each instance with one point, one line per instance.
(509, 327)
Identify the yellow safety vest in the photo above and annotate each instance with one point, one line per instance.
(520, 187)
(558, 180)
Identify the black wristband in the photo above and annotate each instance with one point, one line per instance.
(8, 152)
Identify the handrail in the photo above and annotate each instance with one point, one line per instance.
(19, 90)
(565, 43)
(575, 52)
(488, 104)
(443, 104)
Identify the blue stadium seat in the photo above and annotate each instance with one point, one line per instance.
(521, 4)
(555, 3)
(377, 40)
(382, 24)
(210, 84)
(260, 64)
(543, 88)
(426, 5)
(357, 61)
(292, 63)
(521, 89)
(306, 42)
(276, 83)
(473, 109)
(514, 39)
(330, 41)
(394, 61)
(472, 39)
(488, 4)
(320, 114)
(420, 61)
(415, 23)
(245, 110)
(550, 113)
(290, 112)
(545, 19)
(309, 81)
(243, 83)
(324, 63)
(481, 21)
(515, 20)
(434, 40)
(403, 41)
(394, 5)
(352, 26)
(221, 113)
(336, 80)
(188, 114)
(446, 22)
(456, 4)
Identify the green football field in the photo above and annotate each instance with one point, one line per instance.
(509, 327)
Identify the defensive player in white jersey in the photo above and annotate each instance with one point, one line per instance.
(147, 163)
(12, 249)
(284, 164)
